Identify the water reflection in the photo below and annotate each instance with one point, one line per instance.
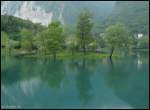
(46, 83)
(30, 86)
(83, 83)
(124, 81)
(53, 73)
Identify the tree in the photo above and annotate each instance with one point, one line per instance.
(26, 39)
(137, 14)
(93, 45)
(143, 42)
(101, 41)
(13, 25)
(40, 41)
(72, 43)
(4, 39)
(5, 42)
(84, 28)
(116, 36)
(11, 45)
(55, 38)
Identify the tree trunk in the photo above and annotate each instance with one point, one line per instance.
(54, 55)
(5, 51)
(111, 63)
(9, 53)
(84, 49)
(45, 51)
(111, 53)
(83, 43)
(72, 52)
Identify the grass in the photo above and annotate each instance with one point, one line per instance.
(77, 55)
(141, 50)
(66, 55)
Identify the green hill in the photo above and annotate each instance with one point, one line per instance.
(135, 14)
(12, 25)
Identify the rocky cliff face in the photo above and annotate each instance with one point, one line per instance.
(45, 11)
(26, 10)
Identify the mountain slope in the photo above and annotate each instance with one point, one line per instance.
(65, 11)
(134, 14)
(13, 25)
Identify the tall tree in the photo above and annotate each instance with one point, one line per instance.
(72, 43)
(26, 39)
(55, 38)
(5, 41)
(84, 28)
(40, 41)
(116, 36)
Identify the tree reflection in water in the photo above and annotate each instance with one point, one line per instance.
(124, 82)
(85, 69)
(53, 73)
(34, 79)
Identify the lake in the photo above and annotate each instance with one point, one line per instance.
(75, 83)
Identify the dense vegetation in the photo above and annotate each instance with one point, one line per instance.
(135, 15)
(23, 37)
(13, 25)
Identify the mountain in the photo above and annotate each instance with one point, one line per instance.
(13, 25)
(134, 14)
(65, 11)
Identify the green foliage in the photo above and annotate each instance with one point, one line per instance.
(100, 40)
(50, 39)
(93, 45)
(39, 42)
(143, 42)
(135, 15)
(7, 43)
(26, 39)
(4, 39)
(13, 25)
(84, 28)
(72, 43)
(55, 37)
(117, 36)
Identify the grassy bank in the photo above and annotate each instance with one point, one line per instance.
(60, 55)
(65, 54)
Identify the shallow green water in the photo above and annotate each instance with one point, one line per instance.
(100, 83)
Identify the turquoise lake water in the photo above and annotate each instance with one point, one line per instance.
(75, 83)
